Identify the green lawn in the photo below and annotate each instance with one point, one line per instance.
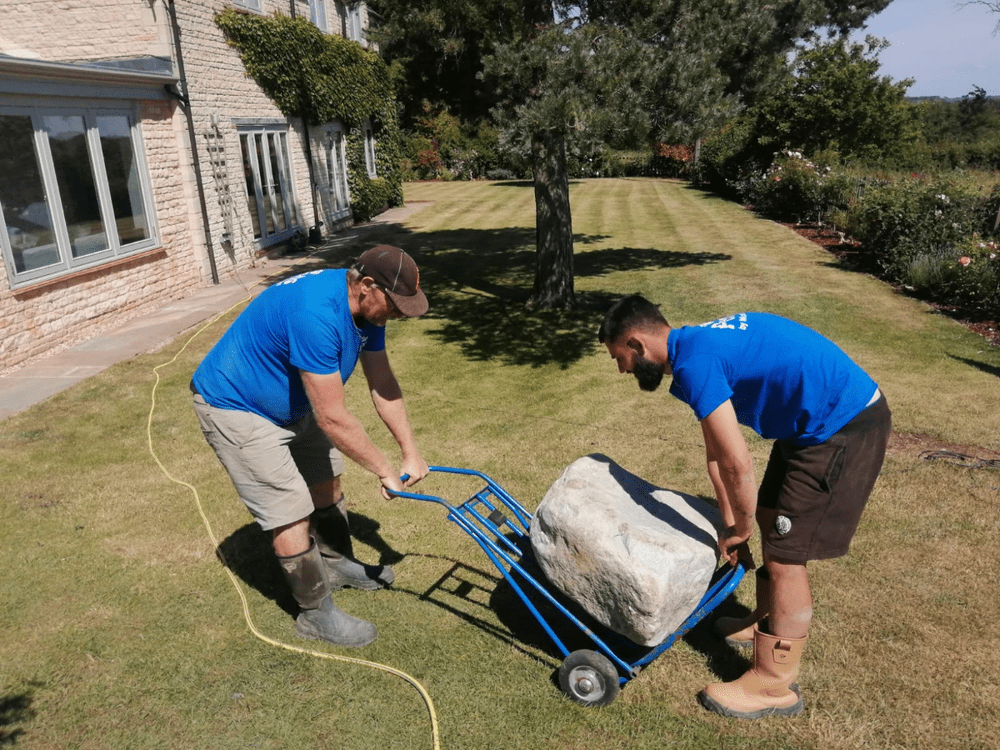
(122, 630)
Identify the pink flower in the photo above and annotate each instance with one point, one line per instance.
(964, 260)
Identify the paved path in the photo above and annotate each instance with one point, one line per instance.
(44, 376)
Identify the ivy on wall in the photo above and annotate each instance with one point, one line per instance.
(322, 78)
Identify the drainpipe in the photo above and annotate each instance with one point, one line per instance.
(313, 235)
(183, 97)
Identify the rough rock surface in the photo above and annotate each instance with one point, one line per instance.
(636, 557)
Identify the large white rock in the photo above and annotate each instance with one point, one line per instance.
(636, 557)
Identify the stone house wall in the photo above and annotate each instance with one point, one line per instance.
(40, 316)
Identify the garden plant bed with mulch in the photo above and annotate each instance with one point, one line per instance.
(851, 255)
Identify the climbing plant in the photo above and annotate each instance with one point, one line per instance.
(322, 78)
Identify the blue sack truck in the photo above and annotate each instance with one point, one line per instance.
(500, 526)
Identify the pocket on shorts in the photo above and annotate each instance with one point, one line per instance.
(828, 480)
(227, 427)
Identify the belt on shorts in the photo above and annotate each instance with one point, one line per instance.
(193, 389)
(875, 396)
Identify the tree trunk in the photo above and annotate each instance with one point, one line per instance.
(553, 224)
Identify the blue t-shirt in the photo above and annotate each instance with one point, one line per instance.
(302, 323)
(786, 381)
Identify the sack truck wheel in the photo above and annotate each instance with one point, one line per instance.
(589, 678)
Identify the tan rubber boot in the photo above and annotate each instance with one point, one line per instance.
(738, 631)
(767, 688)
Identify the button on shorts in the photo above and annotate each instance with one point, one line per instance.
(820, 491)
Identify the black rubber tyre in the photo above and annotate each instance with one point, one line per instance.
(589, 678)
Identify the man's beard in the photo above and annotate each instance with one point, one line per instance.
(648, 373)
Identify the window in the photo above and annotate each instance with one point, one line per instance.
(267, 171)
(355, 25)
(370, 150)
(336, 196)
(342, 18)
(75, 191)
(317, 14)
(249, 5)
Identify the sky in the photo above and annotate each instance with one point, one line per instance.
(946, 49)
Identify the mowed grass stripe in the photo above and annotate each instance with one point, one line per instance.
(122, 630)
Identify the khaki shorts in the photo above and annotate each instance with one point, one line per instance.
(820, 491)
(271, 467)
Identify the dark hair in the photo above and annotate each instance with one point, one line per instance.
(634, 311)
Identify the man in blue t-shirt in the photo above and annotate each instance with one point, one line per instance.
(830, 424)
(270, 400)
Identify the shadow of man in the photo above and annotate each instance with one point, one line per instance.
(248, 553)
(14, 709)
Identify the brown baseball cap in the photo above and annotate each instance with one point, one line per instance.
(394, 271)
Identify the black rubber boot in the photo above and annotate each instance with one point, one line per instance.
(333, 529)
(320, 618)
(333, 537)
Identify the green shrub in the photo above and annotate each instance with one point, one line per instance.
(443, 147)
(899, 220)
(950, 155)
(797, 189)
(967, 274)
(977, 282)
(501, 174)
(726, 161)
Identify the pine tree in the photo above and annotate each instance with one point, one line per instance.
(562, 76)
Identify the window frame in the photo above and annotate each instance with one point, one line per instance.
(355, 23)
(333, 144)
(285, 185)
(256, 6)
(89, 112)
(318, 15)
(370, 159)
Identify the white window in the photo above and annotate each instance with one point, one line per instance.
(336, 196)
(268, 175)
(249, 5)
(342, 19)
(370, 150)
(75, 189)
(317, 14)
(355, 23)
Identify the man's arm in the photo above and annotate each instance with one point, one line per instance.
(326, 395)
(730, 467)
(388, 399)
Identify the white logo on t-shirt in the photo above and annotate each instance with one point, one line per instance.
(727, 322)
(293, 279)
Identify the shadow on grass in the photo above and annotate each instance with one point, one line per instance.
(249, 554)
(464, 589)
(988, 369)
(722, 660)
(14, 709)
(478, 281)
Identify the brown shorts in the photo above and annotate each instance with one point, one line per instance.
(820, 491)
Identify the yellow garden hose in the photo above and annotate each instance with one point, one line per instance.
(208, 527)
